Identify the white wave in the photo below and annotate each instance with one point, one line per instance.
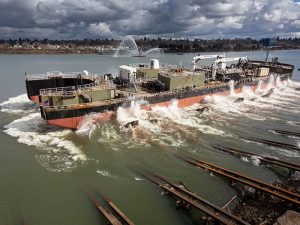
(51, 142)
(18, 105)
(245, 159)
(293, 123)
(149, 129)
(227, 105)
(186, 117)
(288, 153)
(258, 87)
(231, 88)
(88, 125)
(283, 99)
(134, 112)
(293, 83)
(105, 173)
(256, 160)
(270, 83)
(270, 156)
(109, 135)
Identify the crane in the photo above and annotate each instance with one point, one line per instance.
(200, 57)
(223, 64)
(222, 60)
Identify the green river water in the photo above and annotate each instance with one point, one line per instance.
(46, 173)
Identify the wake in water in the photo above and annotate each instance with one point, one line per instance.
(55, 152)
(162, 127)
(280, 97)
(171, 126)
(18, 105)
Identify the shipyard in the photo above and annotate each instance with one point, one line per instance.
(149, 112)
(65, 105)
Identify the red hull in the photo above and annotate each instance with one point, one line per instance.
(35, 98)
(75, 122)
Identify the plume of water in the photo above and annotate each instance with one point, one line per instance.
(128, 47)
(154, 51)
(231, 85)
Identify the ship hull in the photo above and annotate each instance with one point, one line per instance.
(33, 86)
(74, 119)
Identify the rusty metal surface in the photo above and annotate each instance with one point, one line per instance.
(188, 197)
(272, 143)
(112, 213)
(257, 184)
(264, 159)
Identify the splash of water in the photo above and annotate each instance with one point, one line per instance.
(128, 47)
(18, 105)
(158, 51)
(106, 173)
(231, 86)
(55, 152)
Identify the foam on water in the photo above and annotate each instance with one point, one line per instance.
(293, 83)
(147, 132)
(256, 160)
(56, 153)
(288, 153)
(106, 173)
(173, 126)
(284, 98)
(88, 125)
(293, 123)
(18, 105)
(162, 126)
(186, 117)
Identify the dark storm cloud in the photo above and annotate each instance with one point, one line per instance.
(15, 13)
(56, 19)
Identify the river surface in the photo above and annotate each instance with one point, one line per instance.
(48, 173)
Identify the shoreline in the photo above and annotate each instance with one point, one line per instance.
(13, 51)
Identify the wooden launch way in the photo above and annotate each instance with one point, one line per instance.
(286, 133)
(276, 191)
(112, 213)
(272, 143)
(194, 200)
(263, 159)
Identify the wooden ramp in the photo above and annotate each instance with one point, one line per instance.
(112, 213)
(188, 198)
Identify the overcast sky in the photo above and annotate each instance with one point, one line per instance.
(78, 19)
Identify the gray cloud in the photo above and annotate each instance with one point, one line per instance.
(68, 19)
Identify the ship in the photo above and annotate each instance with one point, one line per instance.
(65, 99)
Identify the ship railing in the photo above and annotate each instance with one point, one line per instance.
(72, 90)
(283, 65)
(55, 74)
(72, 106)
(145, 96)
(140, 65)
(169, 66)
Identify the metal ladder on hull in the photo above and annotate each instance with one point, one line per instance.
(84, 96)
(133, 82)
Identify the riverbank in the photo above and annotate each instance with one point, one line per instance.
(257, 207)
(93, 50)
(49, 51)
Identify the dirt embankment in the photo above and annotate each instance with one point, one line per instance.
(257, 207)
(50, 51)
